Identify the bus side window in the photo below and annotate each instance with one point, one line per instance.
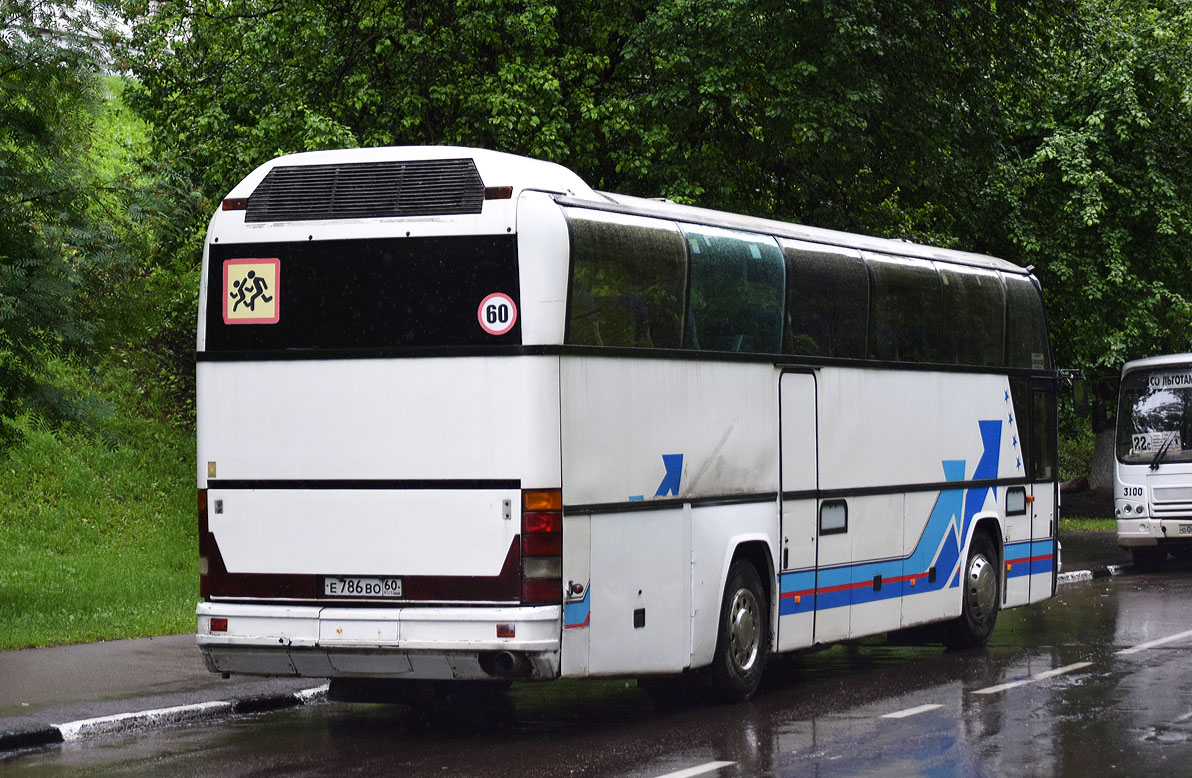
(904, 309)
(1043, 435)
(827, 301)
(627, 281)
(737, 290)
(974, 316)
(1026, 325)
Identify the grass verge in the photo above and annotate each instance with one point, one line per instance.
(97, 524)
(1078, 524)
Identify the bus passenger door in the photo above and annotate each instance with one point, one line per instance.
(1044, 487)
(800, 481)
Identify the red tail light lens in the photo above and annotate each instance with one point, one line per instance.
(542, 523)
(542, 547)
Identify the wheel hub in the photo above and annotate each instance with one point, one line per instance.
(982, 587)
(744, 630)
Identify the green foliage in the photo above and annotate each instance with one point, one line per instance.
(97, 539)
(49, 96)
(1100, 196)
(877, 116)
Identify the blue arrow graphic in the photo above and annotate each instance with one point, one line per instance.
(674, 474)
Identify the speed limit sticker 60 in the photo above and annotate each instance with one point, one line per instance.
(497, 313)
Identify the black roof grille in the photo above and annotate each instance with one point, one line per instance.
(363, 190)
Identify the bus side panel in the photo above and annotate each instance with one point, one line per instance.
(932, 541)
(640, 592)
(1042, 553)
(880, 429)
(876, 527)
(636, 431)
(717, 531)
(577, 602)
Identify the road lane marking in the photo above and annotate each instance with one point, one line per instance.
(690, 772)
(1153, 643)
(1033, 679)
(902, 714)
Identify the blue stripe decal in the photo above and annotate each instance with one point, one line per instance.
(939, 547)
(576, 615)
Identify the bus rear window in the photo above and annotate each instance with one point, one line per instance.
(363, 294)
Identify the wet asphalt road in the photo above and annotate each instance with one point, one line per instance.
(1062, 690)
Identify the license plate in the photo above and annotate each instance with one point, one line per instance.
(362, 587)
(1186, 529)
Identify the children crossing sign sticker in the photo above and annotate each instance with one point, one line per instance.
(250, 291)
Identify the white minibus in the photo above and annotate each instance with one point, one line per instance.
(1152, 472)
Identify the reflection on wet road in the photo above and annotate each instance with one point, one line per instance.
(1092, 683)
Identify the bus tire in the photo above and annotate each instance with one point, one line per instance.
(981, 585)
(743, 637)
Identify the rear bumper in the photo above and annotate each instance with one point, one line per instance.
(403, 642)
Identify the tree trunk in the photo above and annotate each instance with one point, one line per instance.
(1101, 468)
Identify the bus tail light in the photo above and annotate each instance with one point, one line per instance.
(542, 547)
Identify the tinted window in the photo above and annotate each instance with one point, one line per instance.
(904, 318)
(392, 292)
(1026, 327)
(1043, 434)
(627, 280)
(973, 327)
(827, 301)
(737, 290)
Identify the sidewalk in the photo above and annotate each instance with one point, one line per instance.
(51, 694)
(42, 689)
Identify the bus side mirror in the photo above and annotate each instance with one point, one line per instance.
(1080, 396)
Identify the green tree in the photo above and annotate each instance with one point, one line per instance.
(49, 94)
(1097, 192)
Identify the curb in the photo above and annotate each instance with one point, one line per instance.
(1087, 575)
(124, 723)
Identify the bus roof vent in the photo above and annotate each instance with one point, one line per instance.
(367, 190)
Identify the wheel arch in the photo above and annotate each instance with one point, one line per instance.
(991, 525)
(757, 552)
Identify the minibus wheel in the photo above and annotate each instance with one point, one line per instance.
(743, 638)
(981, 585)
(1148, 558)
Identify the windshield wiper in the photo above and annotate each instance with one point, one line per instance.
(1162, 450)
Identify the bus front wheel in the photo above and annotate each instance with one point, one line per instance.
(981, 583)
(743, 638)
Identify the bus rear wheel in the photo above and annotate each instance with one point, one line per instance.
(743, 638)
(981, 583)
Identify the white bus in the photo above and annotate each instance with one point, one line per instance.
(463, 418)
(1152, 473)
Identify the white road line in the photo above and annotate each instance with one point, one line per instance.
(902, 714)
(1033, 679)
(1153, 643)
(690, 772)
